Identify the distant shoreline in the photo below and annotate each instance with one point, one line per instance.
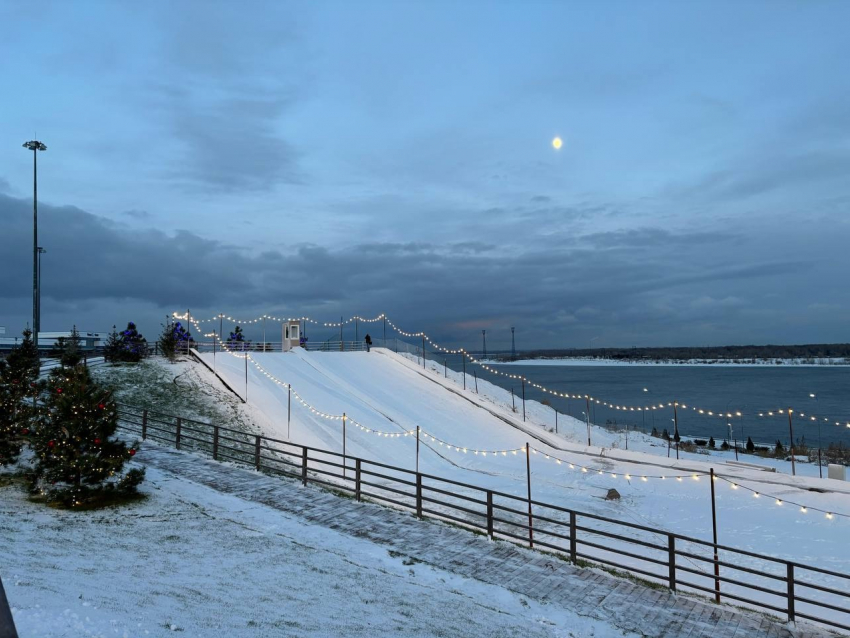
(837, 362)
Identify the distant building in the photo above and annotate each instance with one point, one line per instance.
(88, 340)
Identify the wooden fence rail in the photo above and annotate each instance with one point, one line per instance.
(679, 562)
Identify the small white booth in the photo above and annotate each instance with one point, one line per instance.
(291, 335)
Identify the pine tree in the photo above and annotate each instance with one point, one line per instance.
(18, 382)
(133, 345)
(112, 349)
(779, 448)
(67, 349)
(77, 456)
(182, 337)
(168, 340)
(712, 442)
(236, 339)
(751, 447)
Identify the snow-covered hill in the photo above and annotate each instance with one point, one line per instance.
(390, 392)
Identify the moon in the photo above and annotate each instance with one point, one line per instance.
(557, 143)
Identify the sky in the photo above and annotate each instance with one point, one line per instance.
(331, 159)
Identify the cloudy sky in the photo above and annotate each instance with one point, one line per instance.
(337, 158)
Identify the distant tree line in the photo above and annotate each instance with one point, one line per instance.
(740, 354)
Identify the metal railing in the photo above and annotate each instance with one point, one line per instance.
(679, 562)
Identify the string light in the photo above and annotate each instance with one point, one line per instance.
(426, 436)
(721, 414)
(804, 509)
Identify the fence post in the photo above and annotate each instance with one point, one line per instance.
(556, 420)
(791, 612)
(528, 478)
(475, 372)
(671, 562)
(304, 465)
(257, 452)
(215, 443)
(523, 399)
(144, 424)
(490, 514)
(418, 495)
(714, 529)
(463, 358)
(177, 434)
(357, 480)
(573, 539)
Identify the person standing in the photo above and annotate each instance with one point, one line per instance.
(368, 342)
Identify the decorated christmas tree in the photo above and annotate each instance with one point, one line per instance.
(127, 345)
(18, 384)
(236, 338)
(78, 458)
(182, 338)
(133, 345)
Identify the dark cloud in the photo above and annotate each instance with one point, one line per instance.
(644, 286)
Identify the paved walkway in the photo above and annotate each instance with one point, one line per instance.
(629, 606)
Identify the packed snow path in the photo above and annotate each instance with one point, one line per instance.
(632, 607)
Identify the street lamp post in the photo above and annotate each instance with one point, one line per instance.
(484, 344)
(820, 465)
(41, 251)
(35, 146)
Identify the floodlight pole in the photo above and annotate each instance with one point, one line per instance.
(35, 146)
(41, 251)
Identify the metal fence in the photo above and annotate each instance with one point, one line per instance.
(676, 561)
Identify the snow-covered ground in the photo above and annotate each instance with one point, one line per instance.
(201, 563)
(386, 391)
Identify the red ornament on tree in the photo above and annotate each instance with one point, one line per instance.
(131, 452)
(51, 443)
(97, 441)
(58, 390)
(100, 406)
(25, 431)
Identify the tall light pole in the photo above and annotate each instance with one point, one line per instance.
(35, 146)
(513, 345)
(41, 251)
(820, 466)
(484, 344)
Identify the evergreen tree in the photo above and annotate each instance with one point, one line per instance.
(779, 448)
(236, 339)
(711, 442)
(168, 340)
(182, 337)
(112, 349)
(67, 349)
(133, 345)
(751, 447)
(18, 382)
(77, 456)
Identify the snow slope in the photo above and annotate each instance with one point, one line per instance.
(389, 392)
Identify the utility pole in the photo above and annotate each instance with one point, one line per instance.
(587, 417)
(484, 344)
(35, 146)
(513, 345)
